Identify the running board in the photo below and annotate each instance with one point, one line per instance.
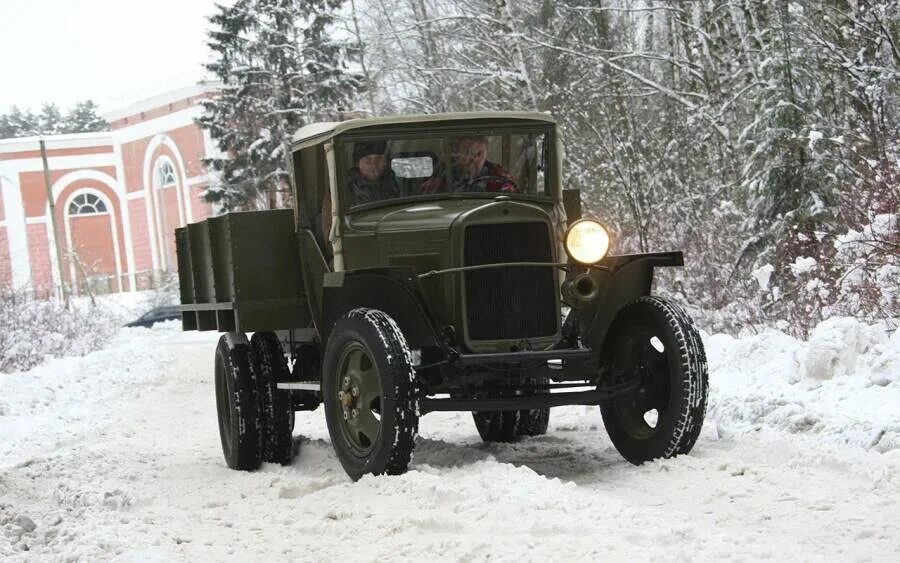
(300, 386)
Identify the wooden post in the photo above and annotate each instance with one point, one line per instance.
(52, 205)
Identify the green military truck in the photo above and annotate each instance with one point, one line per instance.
(434, 263)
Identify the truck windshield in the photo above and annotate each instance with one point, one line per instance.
(380, 169)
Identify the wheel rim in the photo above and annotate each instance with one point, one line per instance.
(357, 399)
(643, 357)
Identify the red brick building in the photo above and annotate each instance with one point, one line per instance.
(118, 197)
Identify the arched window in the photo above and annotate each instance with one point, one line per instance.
(165, 174)
(86, 204)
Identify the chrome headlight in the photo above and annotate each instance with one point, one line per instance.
(587, 241)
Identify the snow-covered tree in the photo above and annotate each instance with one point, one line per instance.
(280, 67)
(18, 123)
(50, 120)
(83, 118)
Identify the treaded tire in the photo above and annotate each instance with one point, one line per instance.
(375, 335)
(534, 422)
(682, 370)
(497, 426)
(237, 404)
(275, 405)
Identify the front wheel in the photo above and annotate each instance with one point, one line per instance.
(369, 388)
(655, 344)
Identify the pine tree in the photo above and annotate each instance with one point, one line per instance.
(18, 123)
(6, 128)
(50, 120)
(279, 68)
(83, 118)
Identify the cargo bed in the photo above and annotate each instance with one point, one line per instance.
(241, 272)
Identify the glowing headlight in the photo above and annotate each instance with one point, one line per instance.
(587, 241)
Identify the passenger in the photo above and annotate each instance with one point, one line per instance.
(371, 179)
(471, 170)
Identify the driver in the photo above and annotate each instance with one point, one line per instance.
(471, 171)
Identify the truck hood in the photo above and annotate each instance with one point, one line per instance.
(436, 215)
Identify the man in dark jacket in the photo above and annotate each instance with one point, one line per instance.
(471, 171)
(371, 179)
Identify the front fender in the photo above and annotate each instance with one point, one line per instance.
(622, 280)
(396, 291)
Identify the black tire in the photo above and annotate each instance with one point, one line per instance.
(275, 405)
(367, 349)
(674, 381)
(237, 404)
(534, 422)
(497, 426)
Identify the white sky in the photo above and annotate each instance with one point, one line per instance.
(111, 51)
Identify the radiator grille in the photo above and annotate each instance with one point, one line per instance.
(510, 303)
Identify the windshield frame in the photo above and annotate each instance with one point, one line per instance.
(549, 195)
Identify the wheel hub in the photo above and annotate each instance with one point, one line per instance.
(359, 399)
(639, 360)
(348, 396)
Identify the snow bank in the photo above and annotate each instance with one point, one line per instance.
(842, 387)
(35, 331)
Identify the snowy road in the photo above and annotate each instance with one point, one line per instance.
(116, 456)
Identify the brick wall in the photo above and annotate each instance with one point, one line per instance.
(140, 235)
(202, 209)
(39, 252)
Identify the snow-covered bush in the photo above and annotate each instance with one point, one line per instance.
(869, 263)
(35, 330)
(845, 273)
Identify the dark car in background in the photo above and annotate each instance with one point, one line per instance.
(156, 315)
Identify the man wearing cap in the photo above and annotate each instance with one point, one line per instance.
(371, 180)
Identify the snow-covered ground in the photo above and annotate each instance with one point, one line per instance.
(116, 455)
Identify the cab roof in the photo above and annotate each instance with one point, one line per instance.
(315, 133)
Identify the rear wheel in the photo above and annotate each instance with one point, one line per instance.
(369, 388)
(655, 343)
(497, 426)
(534, 422)
(237, 403)
(275, 405)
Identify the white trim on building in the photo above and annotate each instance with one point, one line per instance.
(157, 102)
(163, 124)
(124, 197)
(16, 231)
(56, 142)
(57, 163)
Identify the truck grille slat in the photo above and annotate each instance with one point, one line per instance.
(510, 303)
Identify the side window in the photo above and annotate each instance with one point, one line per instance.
(528, 162)
(312, 195)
